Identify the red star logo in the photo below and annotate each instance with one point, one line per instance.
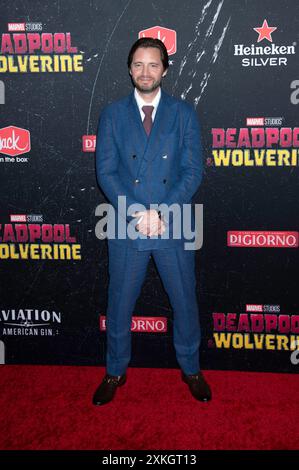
(265, 31)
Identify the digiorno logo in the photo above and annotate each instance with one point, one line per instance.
(265, 52)
(260, 327)
(89, 143)
(262, 239)
(264, 142)
(142, 324)
(26, 238)
(30, 52)
(30, 322)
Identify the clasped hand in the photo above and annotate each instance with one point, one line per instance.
(150, 223)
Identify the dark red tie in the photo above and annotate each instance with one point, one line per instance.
(147, 121)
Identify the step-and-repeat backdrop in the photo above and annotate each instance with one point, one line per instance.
(237, 62)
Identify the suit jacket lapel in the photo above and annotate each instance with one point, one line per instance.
(148, 146)
(160, 127)
(135, 126)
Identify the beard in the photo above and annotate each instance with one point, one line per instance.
(147, 88)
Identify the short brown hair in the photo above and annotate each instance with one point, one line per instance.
(150, 42)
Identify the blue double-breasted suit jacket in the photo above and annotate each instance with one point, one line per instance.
(162, 168)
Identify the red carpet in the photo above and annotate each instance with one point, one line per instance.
(50, 408)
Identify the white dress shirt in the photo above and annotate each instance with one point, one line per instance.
(141, 102)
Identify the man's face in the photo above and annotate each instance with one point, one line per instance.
(147, 69)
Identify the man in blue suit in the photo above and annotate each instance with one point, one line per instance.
(149, 154)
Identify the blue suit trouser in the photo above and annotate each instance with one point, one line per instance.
(127, 272)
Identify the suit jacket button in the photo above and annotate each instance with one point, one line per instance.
(164, 181)
(133, 156)
(137, 181)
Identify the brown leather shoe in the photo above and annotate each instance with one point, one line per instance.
(199, 388)
(107, 389)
